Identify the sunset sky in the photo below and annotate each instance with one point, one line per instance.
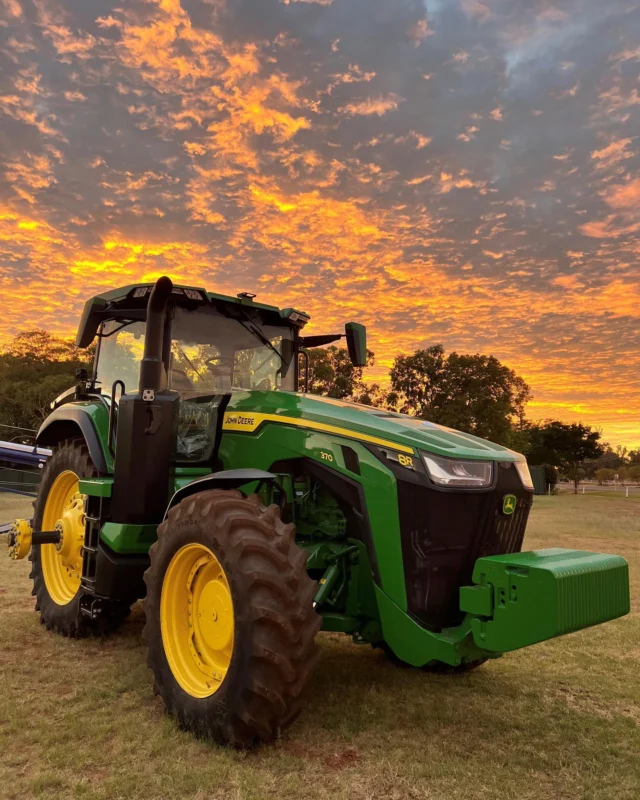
(455, 171)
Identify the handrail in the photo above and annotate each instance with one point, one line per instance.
(112, 414)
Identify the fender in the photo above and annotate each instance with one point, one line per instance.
(227, 479)
(69, 422)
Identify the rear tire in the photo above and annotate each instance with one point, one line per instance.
(59, 604)
(262, 651)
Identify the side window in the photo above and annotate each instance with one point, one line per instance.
(197, 428)
(121, 351)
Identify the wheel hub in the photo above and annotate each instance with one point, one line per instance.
(71, 529)
(62, 562)
(197, 620)
(215, 620)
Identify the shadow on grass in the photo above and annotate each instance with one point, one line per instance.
(358, 698)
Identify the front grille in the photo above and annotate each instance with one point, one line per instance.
(506, 535)
(445, 532)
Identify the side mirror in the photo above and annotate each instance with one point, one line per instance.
(356, 335)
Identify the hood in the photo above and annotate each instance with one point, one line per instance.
(372, 422)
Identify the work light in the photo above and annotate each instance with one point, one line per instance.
(458, 472)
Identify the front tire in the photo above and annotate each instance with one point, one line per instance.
(230, 620)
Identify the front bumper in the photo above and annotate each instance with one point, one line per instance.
(525, 598)
(517, 600)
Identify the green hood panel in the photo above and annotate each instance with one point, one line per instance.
(355, 418)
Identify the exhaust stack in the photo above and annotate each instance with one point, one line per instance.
(153, 372)
(147, 422)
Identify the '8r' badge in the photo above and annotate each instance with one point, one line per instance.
(509, 504)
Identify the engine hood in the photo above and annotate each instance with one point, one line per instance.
(368, 421)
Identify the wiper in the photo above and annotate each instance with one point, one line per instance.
(188, 360)
(250, 326)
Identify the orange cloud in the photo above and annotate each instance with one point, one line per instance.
(625, 196)
(418, 32)
(373, 105)
(12, 8)
(613, 153)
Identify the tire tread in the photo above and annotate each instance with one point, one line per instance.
(274, 611)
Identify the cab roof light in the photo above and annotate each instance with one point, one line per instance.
(299, 318)
(191, 294)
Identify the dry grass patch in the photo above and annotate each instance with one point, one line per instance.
(78, 718)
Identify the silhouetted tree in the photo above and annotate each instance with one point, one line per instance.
(566, 446)
(332, 374)
(472, 393)
(35, 368)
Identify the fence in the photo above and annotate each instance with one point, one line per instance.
(19, 480)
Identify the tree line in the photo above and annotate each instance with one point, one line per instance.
(474, 393)
(35, 368)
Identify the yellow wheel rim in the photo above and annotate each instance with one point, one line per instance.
(197, 620)
(62, 563)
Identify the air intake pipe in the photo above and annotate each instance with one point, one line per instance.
(153, 373)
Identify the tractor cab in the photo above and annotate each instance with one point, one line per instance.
(210, 345)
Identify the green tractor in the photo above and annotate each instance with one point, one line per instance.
(189, 470)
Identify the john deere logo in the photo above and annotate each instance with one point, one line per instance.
(509, 504)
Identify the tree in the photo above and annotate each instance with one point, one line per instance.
(567, 447)
(35, 368)
(634, 473)
(634, 458)
(38, 347)
(622, 453)
(472, 393)
(332, 374)
(624, 473)
(604, 475)
(609, 459)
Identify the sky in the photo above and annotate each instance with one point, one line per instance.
(455, 171)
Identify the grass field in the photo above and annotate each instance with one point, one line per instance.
(561, 720)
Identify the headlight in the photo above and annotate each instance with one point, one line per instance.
(455, 472)
(525, 475)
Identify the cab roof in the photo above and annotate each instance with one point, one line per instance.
(130, 302)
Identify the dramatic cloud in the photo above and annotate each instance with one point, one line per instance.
(454, 171)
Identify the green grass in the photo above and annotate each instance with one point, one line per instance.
(78, 718)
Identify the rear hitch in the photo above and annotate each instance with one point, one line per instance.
(91, 607)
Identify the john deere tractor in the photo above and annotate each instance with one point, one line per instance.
(189, 470)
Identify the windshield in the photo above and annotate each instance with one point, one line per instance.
(213, 354)
(210, 354)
